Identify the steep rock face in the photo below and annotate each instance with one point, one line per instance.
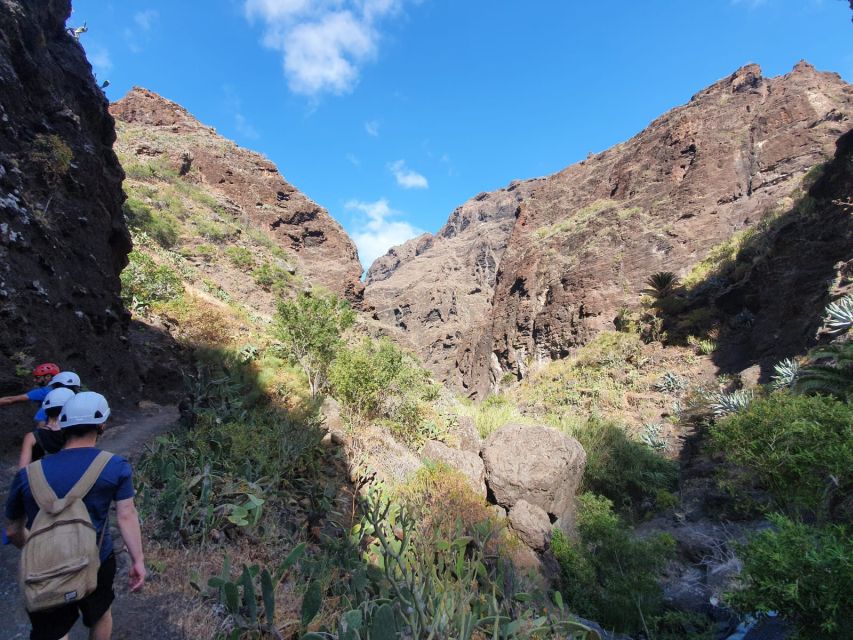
(437, 290)
(582, 241)
(252, 186)
(63, 240)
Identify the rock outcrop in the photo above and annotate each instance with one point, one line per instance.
(467, 463)
(63, 240)
(249, 183)
(531, 523)
(534, 463)
(530, 272)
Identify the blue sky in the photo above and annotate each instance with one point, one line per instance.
(390, 113)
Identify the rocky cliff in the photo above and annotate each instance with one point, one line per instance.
(250, 186)
(63, 240)
(528, 273)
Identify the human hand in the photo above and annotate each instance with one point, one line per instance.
(136, 576)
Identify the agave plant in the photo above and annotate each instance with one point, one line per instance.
(723, 404)
(838, 315)
(671, 382)
(785, 373)
(830, 371)
(653, 438)
(661, 284)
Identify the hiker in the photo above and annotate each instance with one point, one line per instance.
(30, 448)
(47, 439)
(42, 525)
(42, 376)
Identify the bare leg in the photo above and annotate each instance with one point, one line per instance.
(26, 456)
(103, 628)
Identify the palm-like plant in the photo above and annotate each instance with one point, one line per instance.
(661, 284)
(830, 372)
(838, 315)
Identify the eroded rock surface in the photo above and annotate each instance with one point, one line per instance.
(63, 240)
(252, 187)
(532, 271)
(534, 463)
(531, 523)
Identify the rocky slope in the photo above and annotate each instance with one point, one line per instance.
(565, 253)
(156, 130)
(63, 240)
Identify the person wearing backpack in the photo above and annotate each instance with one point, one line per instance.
(58, 510)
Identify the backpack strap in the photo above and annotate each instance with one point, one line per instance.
(46, 497)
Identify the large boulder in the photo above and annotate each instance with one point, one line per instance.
(534, 463)
(466, 462)
(465, 436)
(531, 523)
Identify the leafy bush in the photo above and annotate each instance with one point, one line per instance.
(608, 575)
(623, 470)
(798, 448)
(804, 573)
(271, 277)
(361, 377)
(310, 328)
(160, 225)
(240, 257)
(144, 282)
(53, 155)
(212, 231)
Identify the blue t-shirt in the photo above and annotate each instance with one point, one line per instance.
(63, 470)
(38, 395)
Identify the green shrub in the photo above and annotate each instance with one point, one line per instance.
(310, 328)
(271, 277)
(213, 231)
(804, 573)
(608, 575)
(144, 282)
(53, 155)
(492, 413)
(798, 448)
(623, 470)
(160, 225)
(240, 257)
(361, 377)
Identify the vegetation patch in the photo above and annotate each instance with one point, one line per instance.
(144, 283)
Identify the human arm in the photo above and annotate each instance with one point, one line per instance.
(13, 399)
(26, 455)
(128, 524)
(16, 531)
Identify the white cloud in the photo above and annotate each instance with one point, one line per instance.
(324, 42)
(99, 57)
(353, 159)
(375, 232)
(372, 128)
(235, 106)
(407, 178)
(146, 19)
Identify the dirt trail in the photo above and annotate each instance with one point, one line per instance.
(135, 615)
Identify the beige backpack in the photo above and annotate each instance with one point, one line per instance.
(59, 562)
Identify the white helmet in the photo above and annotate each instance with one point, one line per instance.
(57, 398)
(66, 379)
(87, 407)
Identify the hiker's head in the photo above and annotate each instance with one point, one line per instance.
(66, 379)
(84, 415)
(54, 402)
(43, 373)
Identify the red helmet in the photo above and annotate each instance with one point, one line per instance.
(46, 369)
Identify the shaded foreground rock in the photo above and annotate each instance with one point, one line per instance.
(531, 523)
(466, 462)
(536, 464)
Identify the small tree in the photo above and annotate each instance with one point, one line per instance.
(661, 284)
(310, 327)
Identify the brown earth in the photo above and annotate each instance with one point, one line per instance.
(63, 240)
(531, 272)
(251, 186)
